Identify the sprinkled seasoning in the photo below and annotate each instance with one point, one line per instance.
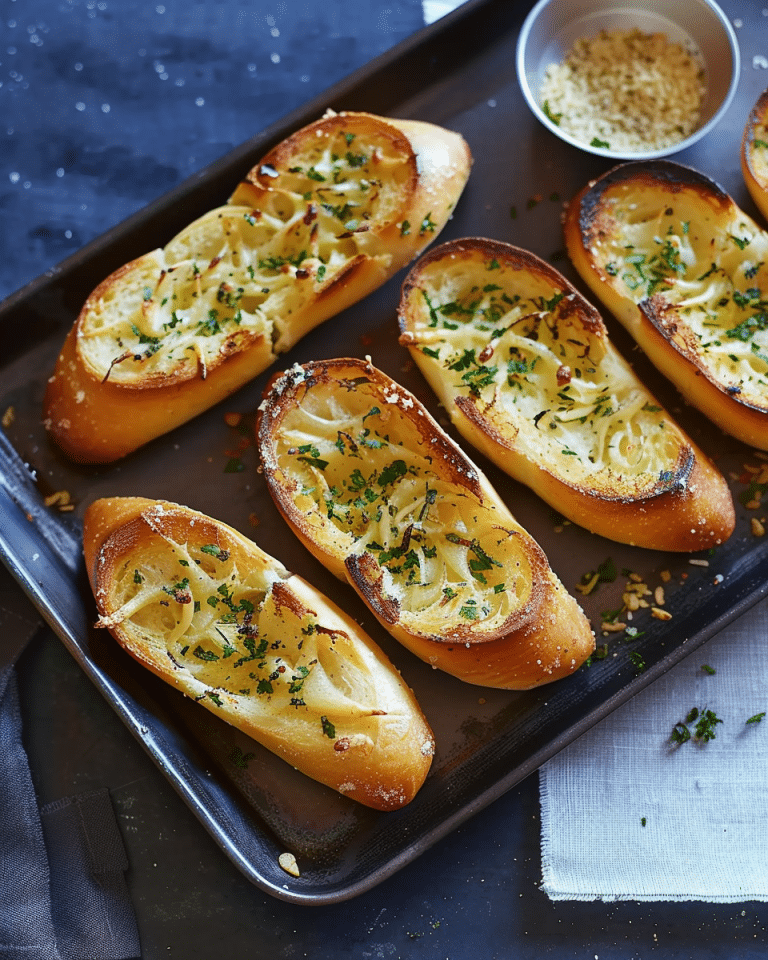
(625, 90)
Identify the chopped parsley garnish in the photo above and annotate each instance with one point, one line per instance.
(391, 473)
(705, 722)
(202, 654)
(152, 343)
(329, 730)
(215, 551)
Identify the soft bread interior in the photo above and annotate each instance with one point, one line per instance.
(227, 625)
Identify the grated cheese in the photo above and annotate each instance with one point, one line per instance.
(625, 90)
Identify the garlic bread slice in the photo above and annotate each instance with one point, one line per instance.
(754, 153)
(380, 494)
(321, 221)
(524, 367)
(674, 258)
(210, 613)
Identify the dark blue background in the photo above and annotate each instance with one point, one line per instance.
(105, 105)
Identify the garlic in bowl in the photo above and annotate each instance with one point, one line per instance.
(637, 79)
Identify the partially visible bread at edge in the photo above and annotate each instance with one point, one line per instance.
(754, 153)
(380, 494)
(524, 366)
(210, 613)
(674, 258)
(321, 221)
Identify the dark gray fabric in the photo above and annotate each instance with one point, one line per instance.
(63, 894)
(26, 929)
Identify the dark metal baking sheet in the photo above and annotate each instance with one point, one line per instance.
(460, 73)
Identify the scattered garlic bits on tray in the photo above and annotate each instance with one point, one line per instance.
(626, 91)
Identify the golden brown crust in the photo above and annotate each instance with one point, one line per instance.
(378, 492)
(211, 614)
(673, 257)
(322, 221)
(524, 366)
(754, 153)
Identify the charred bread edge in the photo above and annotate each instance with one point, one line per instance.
(757, 186)
(733, 415)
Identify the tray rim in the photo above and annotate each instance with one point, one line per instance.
(17, 490)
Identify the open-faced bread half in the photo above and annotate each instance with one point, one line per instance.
(382, 496)
(523, 365)
(210, 613)
(754, 153)
(673, 257)
(322, 220)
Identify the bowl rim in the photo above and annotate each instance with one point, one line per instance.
(698, 134)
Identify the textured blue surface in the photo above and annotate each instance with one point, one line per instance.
(104, 105)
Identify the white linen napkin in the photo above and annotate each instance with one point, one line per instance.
(627, 814)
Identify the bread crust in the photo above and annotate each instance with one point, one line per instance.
(524, 367)
(754, 153)
(693, 303)
(378, 492)
(320, 222)
(211, 614)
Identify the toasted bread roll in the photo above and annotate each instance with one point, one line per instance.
(327, 216)
(754, 153)
(523, 365)
(686, 271)
(382, 496)
(214, 616)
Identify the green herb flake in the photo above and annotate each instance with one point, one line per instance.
(215, 551)
(329, 730)
(240, 759)
(637, 660)
(202, 654)
(705, 726)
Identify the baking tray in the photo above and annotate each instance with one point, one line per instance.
(460, 73)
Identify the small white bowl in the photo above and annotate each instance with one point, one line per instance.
(552, 27)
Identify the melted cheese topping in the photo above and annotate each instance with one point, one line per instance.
(368, 482)
(238, 273)
(514, 344)
(713, 275)
(227, 637)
